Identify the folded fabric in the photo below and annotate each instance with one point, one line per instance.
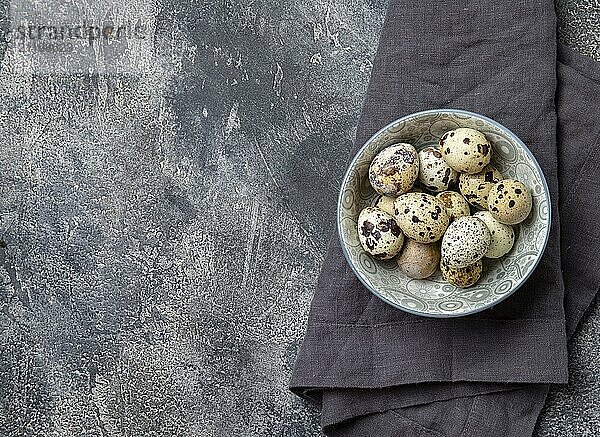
(362, 356)
(509, 413)
(578, 110)
(514, 413)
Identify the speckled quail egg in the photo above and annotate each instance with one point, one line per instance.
(455, 204)
(419, 260)
(394, 170)
(379, 233)
(466, 241)
(509, 202)
(476, 187)
(421, 217)
(503, 236)
(466, 150)
(462, 277)
(386, 203)
(434, 173)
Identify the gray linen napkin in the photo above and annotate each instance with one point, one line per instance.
(515, 412)
(499, 60)
(578, 138)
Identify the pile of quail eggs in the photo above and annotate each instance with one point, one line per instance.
(430, 225)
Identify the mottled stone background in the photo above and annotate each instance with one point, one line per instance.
(161, 234)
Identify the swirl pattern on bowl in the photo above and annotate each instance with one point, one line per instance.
(433, 296)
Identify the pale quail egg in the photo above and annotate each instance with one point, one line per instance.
(466, 241)
(509, 202)
(434, 173)
(379, 234)
(419, 260)
(466, 150)
(421, 217)
(394, 170)
(475, 187)
(462, 277)
(386, 204)
(455, 204)
(503, 236)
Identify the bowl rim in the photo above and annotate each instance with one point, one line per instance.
(432, 112)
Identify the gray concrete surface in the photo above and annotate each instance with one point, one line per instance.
(161, 234)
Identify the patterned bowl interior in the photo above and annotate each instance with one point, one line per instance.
(434, 297)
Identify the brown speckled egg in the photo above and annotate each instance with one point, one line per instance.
(455, 204)
(475, 187)
(466, 150)
(462, 277)
(394, 170)
(509, 202)
(434, 173)
(503, 236)
(379, 234)
(386, 204)
(466, 241)
(421, 217)
(419, 260)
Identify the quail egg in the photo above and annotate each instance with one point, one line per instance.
(455, 204)
(475, 187)
(419, 260)
(466, 241)
(503, 236)
(434, 173)
(509, 202)
(379, 233)
(466, 150)
(421, 217)
(394, 170)
(386, 204)
(462, 277)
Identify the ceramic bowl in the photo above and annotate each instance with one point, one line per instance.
(434, 297)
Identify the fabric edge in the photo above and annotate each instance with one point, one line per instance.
(342, 410)
(512, 362)
(578, 61)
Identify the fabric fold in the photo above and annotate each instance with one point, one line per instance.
(388, 354)
(340, 405)
(509, 413)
